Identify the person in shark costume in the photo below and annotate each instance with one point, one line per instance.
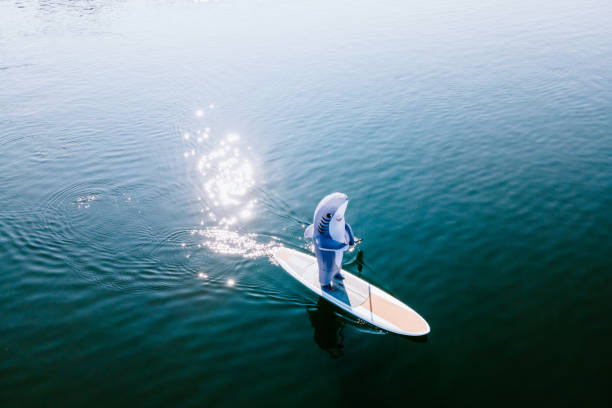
(331, 235)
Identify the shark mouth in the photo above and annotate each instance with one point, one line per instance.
(339, 215)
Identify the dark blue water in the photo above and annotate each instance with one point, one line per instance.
(152, 153)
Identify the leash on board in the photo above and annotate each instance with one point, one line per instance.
(370, 298)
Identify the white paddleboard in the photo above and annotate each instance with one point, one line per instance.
(354, 295)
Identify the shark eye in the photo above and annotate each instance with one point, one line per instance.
(328, 215)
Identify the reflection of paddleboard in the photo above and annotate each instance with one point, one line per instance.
(354, 295)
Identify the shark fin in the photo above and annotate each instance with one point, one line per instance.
(309, 232)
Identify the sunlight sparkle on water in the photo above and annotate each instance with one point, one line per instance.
(223, 241)
(226, 178)
(83, 202)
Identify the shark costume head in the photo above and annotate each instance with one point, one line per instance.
(331, 236)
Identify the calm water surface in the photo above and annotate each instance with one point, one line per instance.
(152, 153)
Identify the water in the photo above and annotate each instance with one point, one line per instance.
(152, 153)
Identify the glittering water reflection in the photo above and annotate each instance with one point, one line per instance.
(83, 202)
(226, 178)
(226, 242)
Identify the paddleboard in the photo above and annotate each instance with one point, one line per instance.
(354, 295)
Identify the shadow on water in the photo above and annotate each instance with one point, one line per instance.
(328, 328)
(359, 261)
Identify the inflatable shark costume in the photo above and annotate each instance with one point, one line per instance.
(331, 236)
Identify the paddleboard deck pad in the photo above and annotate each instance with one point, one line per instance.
(354, 295)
